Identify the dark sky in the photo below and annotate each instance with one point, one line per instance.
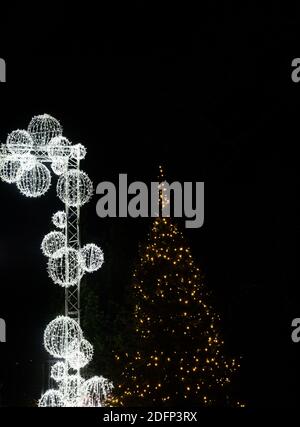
(209, 94)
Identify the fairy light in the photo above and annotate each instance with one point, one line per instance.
(52, 399)
(59, 334)
(65, 267)
(19, 142)
(34, 182)
(52, 242)
(92, 257)
(59, 219)
(43, 128)
(9, 169)
(74, 188)
(96, 391)
(59, 371)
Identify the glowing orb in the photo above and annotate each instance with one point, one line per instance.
(59, 334)
(19, 142)
(59, 219)
(52, 242)
(74, 188)
(65, 268)
(52, 399)
(34, 182)
(59, 146)
(59, 165)
(95, 391)
(80, 353)
(9, 169)
(28, 162)
(43, 128)
(59, 371)
(78, 152)
(70, 389)
(92, 257)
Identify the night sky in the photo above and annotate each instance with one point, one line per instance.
(208, 94)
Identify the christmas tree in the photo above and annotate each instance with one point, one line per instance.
(179, 357)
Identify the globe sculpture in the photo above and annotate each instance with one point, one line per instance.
(27, 159)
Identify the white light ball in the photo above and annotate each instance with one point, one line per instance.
(80, 353)
(59, 146)
(70, 389)
(52, 242)
(59, 219)
(28, 162)
(65, 268)
(78, 152)
(92, 257)
(43, 128)
(34, 182)
(59, 334)
(52, 399)
(74, 188)
(59, 166)
(95, 391)
(9, 169)
(19, 142)
(59, 371)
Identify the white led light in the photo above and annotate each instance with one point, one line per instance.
(59, 371)
(19, 142)
(59, 165)
(59, 146)
(52, 399)
(9, 169)
(52, 242)
(34, 182)
(59, 334)
(74, 188)
(43, 128)
(28, 161)
(79, 354)
(59, 219)
(92, 257)
(70, 389)
(78, 151)
(95, 391)
(65, 268)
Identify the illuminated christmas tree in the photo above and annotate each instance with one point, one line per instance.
(179, 356)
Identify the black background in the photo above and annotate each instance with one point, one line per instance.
(206, 91)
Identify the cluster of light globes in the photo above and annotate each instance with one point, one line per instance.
(66, 265)
(21, 166)
(63, 339)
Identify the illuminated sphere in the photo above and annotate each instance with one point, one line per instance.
(19, 142)
(59, 146)
(74, 188)
(59, 166)
(59, 219)
(70, 389)
(59, 334)
(80, 353)
(59, 371)
(78, 151)
(28, 162)
(95, 391)
(43, 128)
(9, 169)
(65, 268)
(92, 257)
(34, 182)
(52, 242)
(52, 399)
